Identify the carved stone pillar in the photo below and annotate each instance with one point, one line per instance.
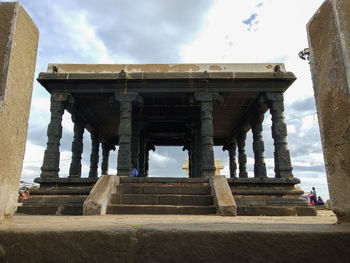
(105, 157)
(148, 146)
(258, 146)
(95, 147)
(188, 147)
(124, 132)
(207, 132)
(242, 157)
(283, 166)
(135, 142)
(142, 155)
(197, 151)
(232, 157)
(50, 167)
(77, 146)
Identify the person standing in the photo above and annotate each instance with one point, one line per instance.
(26, 193)
(314, 195)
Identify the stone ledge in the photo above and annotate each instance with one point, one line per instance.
(262, 180)
(65, 181)
(162, 180)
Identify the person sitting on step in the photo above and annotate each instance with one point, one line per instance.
(134, 172)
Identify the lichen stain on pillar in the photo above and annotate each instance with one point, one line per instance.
(329, 42)
(18, 47)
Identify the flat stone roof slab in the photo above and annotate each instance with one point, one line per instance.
(135, 68)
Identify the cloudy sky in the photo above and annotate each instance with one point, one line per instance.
(179, 31)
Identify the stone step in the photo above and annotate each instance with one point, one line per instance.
(159, 209)
(265, 201)
(55, 199)
(53, 205)
(275, 211)
(51, 209)
(184, 189)
(163, 199)
(61, 191)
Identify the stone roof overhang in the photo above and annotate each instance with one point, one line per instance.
(166, 89)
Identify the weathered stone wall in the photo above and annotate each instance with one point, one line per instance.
(328, 34)
(18, 47)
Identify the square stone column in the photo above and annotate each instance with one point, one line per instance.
(329, 42)
(18, 47)
(207, 133)
(125, 131)
(105, 157)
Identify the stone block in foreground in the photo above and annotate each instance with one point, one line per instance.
(329, 42)
(18, 47)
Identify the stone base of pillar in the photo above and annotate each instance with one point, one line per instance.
(207, 173)
(123, 172)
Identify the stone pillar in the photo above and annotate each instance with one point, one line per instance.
(148, 146)
(105, 157)
(188, 147)
(50, 167)
(146, 162)
(197, 151)
(124, 132)
(135, 142)
(258, 146)
(242, 157)
(283, 166)
(207, 132)
(77, 146)
(330, 67)
(142, 155)
(95, 147)
(232, 157)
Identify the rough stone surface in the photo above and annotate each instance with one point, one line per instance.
(18, 47)
(99, 197)
(331, 78)
(224, 202)
(154, 238)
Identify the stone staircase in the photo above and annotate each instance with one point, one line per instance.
(162, 196)
(63, 197)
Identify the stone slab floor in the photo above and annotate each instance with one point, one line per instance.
(174, 238)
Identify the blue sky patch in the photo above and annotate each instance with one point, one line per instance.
(250, 20)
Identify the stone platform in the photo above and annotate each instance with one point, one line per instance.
(174, 238)
(269, 197)
(58, 196)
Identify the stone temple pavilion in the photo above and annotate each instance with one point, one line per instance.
(196, 106)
